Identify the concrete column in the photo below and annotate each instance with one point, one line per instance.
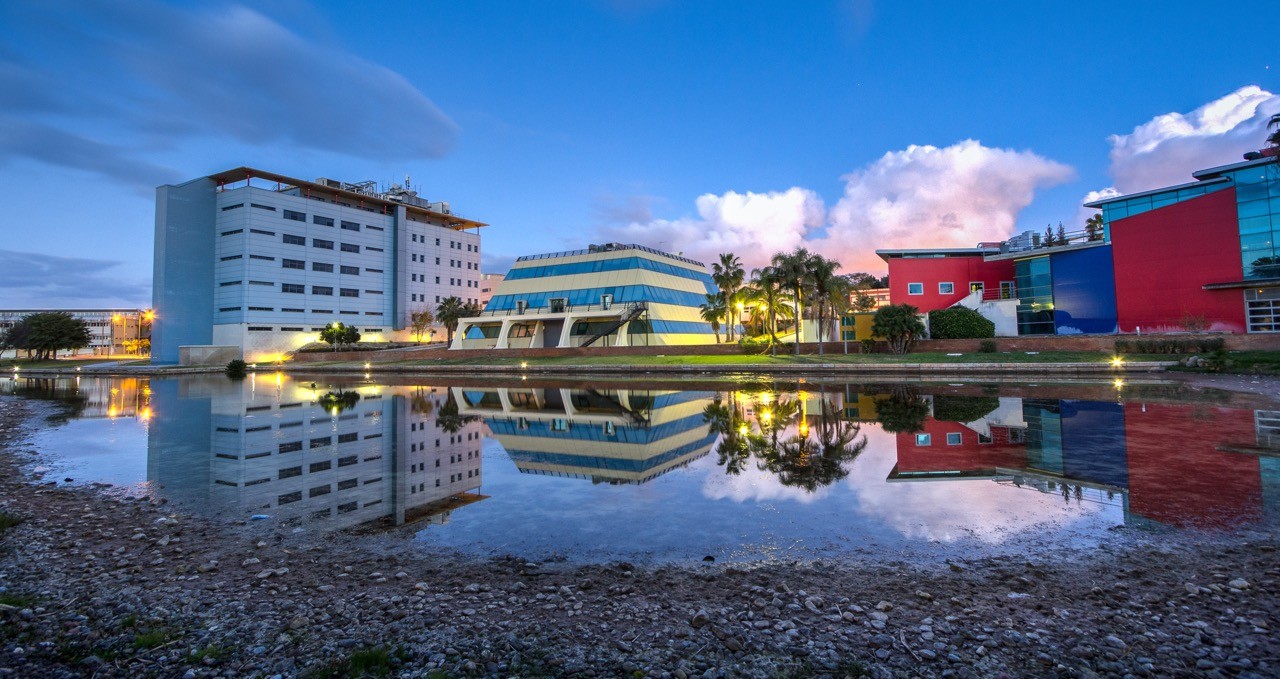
(566, 332)
(503, 339)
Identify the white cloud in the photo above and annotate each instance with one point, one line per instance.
(927, 196)
(1168, 148)
(923, 196)
(753, 225)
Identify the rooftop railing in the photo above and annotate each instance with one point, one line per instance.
(610, 247)
(621, 308)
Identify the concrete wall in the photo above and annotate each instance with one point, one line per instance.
(207, 354)
(182, 273)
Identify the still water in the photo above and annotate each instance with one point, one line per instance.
(674, 471)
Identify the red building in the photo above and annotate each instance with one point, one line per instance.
(938, 278)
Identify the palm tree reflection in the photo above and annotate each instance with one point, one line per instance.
(775, 430)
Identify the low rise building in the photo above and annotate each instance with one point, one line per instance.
(112, 332)
(606, 295)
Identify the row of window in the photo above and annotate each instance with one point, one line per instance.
(615, 264)
(453, 245)
(267, 328)
(295, 216)
(299, 288)
(324, 267)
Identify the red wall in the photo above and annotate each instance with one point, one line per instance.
(1177, 475)
(969, 456)
(1163, 257)
(934, 270)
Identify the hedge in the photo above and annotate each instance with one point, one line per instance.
(947, 408)
(959, 323)
(1159, 345)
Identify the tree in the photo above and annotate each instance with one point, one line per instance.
(712, 311)
(47, 333)
(339, 334)
(1062, 234)
(729, 276)
(1274, 138)
(767, 298)
(793, 269)
(419, 321)
(862, 302)
(449, 312)
(1094, 227)
(826, 285)
(1048, 237)
(899, 324)
(902, 412)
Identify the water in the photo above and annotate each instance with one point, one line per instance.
(675, 471)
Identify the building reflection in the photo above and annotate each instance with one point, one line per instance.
(1172, 464)
(607, 435)
(297, 452)
(88, 398)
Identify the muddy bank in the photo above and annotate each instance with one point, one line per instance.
(94, 584)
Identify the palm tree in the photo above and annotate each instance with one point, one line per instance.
(1274, 138)
(793, 269)
(450, 310)
(767, 296)
(826, 286)
(712, 311)
(729, 275)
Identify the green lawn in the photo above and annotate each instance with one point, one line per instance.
(782, 359)
(1244, 363)
(8, 364)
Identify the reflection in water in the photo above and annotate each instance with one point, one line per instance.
(607, 436)
(802, 449)
(761, 469)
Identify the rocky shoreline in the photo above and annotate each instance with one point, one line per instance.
(95, 584)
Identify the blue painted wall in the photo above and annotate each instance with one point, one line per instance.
(1084, 292)
(1093, 442)
(182, 278)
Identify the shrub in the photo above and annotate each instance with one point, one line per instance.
(959, 323)
(1163, 345)
(899, 325)
(868, 345)
(236, 369)
(987, 347)
(754, 345)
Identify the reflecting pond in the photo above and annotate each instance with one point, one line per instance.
(671, 470)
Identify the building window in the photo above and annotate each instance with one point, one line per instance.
(350, 226)
(1263, 309)
(348, 247)
(295, 216)
(915, 288)
(295, 288)
(349, 292)
(977, 286)
(322, 244)
(322, 221)
(263, 258)
(322, 266)
(235, 231)
(351, 270)
(261, 232)
(984, 438)
(946, 288)
(263, 207)
(293, 264)
(1008, 290)
(294, 240)
(321, 290)
(954, 439)
(232, 207)
(924, 440)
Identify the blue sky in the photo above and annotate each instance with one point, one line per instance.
(698, 126)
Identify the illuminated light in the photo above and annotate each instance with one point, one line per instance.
(1118, 384)
(111, 412)
(145, 414)
(803, 396)
(1116, 361)
(804, 428)
(743, 429)
(77, 368)
(524, 378)
(279, 378)
(524, 364)
(366, 376)
(366, 365)
(116, 318)
(764, 397)
(114, 391)
(766, 416)
(253, 365)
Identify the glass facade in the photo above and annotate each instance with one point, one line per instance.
(1034, 282)
(1262, 307)
(621, 294)
(1258, 209)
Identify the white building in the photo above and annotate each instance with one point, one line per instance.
(262, 262)
(109, 329)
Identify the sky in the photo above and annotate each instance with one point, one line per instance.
(695, 127)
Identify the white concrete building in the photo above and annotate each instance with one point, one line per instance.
(109, 329)
(262, 262)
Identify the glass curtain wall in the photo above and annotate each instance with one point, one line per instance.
(1034, 280)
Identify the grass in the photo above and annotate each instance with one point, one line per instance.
(214, 653)
(8, 521)
(786, 359)
(369, 662)
(8, 364)
(16, 600)
(1255, 362)
(146, 641)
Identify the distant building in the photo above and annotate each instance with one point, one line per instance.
(606, 295)
(488, 283)
(878, 295)
(931, 279)
(109, 329)
(263, 262)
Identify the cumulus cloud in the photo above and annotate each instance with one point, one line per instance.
(923, 196)
(33, 280)
(129, 77)
(1166, 149)
(751, 224)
